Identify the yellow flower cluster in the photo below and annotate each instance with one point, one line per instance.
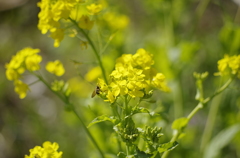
(49, 150)
(28, 59)
(229, 65)
(55, 67)
(25, 59)
(54, 16)
(133, 76)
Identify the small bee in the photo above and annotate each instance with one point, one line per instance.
(96, 91)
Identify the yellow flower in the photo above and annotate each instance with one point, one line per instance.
(32, 62)
(116, 21)
(49, 150)
(21, 88)
(36, 152)
(55, 67)
(229, 65)
(53, 17)
(93, 74)
(57, 35)
(94, 8)
(85, 23)
(133, 76)
(103, 86)
(136, 93)
(26, 58)
(110, 97)
(143, 59)
(12, 74)
(158, 81)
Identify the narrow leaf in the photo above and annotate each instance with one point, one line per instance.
(167, 146)
(220, 141)
(142, 154)
(121, 155)
(140, 110)
(102, 119)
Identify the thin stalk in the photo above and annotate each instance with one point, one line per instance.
(127, 149)
(174, 138)
(49, 87)
(218, 91)
(87, 131)
(126, 106)
(93, 47)
(195, 110)
(115, 111)
(66, 101)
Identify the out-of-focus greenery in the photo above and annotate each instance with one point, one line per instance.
(184, 36)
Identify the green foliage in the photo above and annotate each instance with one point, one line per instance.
(167, 146)
(102, 119)
(222, 139)
(179, 42)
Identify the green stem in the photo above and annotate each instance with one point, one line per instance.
(218, 91)
(174, 138)
(87, 131)
(126, 106)
(49, 87)
(74, 111)
(93, 47)
(195, 110)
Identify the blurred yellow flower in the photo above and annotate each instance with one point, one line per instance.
(55, 67)
(159, 82)
(21, 88)
(12, 74)
(94, 8)
(49, 150)
(116, 21)
(93, 74)
(85, 22)
(32, 62)
(26, 58)
(57, 35)
(229, 65)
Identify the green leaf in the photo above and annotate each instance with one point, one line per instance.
(142, 154)
(121, 155)
(141, 110)
(167, 146)
(180, 123)
(102, 119)
(220, 141)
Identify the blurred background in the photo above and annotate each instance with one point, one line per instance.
(184, 36)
